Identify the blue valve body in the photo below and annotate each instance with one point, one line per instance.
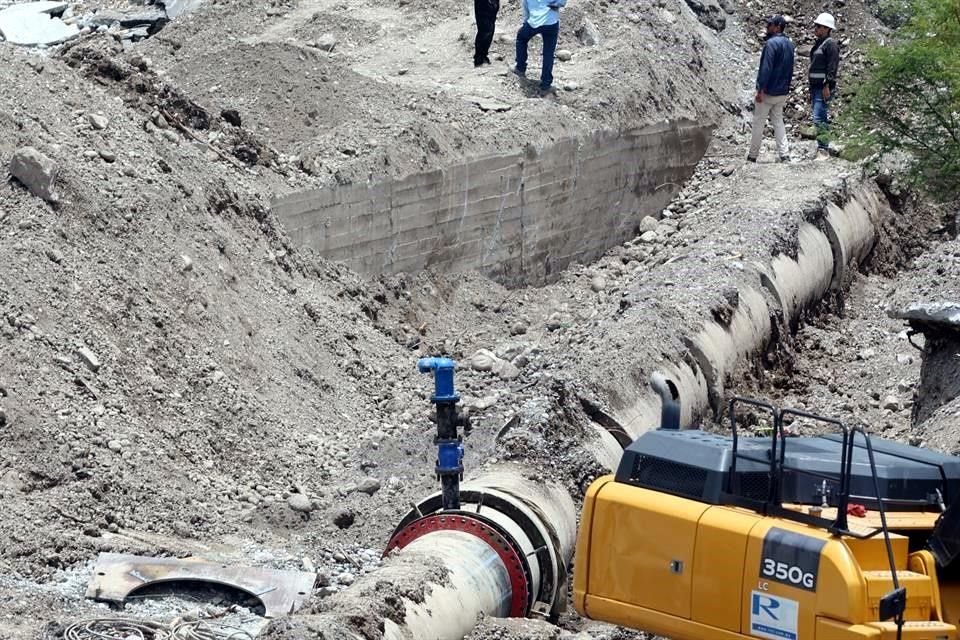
(449, 458)
(443, 369)
(449, 448)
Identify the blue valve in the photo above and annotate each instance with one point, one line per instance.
(442, 377)
(449, 468)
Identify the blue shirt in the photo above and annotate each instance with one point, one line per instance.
(776, 66)
(540, 13)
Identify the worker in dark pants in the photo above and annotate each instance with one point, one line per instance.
(540, 17)
(824, 62)
(486, 15)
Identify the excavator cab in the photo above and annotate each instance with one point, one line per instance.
(705, 536)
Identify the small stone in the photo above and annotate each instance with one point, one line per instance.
(98, 122)
(904, 358)
(563, 55)
(588, 33)
(866, 354)
(299, 502)
(518, 328)
(483, 360)
(327, 42)
(35, 171)
(307, 565)
(648, 237)
(892, 403)
(484, 403)
(570, 86)
(91, 530)
(507, 370)
(553, 324)
(728, 171)
(903, 386)
(186, 263)
(598, 283)
(649, 223)
(89, 358)
(346, 578)
(402, 71)
(369, 486)
(344, 518)
(115, 446)
(107, 155)
(3, 417)
(54, 255)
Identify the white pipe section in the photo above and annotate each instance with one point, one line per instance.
(477, 585)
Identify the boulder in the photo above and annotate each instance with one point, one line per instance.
(709, 12)
(36, 172)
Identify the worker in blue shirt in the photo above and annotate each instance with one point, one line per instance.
(540, 17)
(773, 88)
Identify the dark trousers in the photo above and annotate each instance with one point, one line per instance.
(486, 16)
(550, 33)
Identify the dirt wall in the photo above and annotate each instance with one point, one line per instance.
(519, 218)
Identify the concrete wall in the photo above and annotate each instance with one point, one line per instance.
(519, 218)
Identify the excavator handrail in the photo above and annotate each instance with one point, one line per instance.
(883, 517)
(845, 469)
(777, 461)
(734, 478)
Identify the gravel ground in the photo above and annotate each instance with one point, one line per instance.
(175, 379)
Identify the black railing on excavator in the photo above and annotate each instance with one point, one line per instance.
(893, 604)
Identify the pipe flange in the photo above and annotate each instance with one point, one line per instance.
(544, 544)
(465, 523)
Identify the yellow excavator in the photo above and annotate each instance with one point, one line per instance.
(726, 536)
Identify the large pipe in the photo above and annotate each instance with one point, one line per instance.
(505, 552)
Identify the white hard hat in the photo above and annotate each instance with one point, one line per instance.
(826, 20)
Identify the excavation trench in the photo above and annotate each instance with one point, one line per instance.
(507, 550)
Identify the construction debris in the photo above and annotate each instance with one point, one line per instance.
(117, 576)
(36, 23)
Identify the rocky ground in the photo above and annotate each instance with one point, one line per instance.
(176, 379)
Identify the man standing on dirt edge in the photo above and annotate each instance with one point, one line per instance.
(773, 85)
(540, 17)
(485, 12)
(824, 62)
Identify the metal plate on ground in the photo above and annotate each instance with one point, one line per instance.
(116, 576)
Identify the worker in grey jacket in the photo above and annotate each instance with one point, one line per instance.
(824, 62)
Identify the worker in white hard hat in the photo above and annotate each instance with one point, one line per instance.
(824, 62)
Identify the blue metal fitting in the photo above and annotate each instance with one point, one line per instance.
(442, 377)
(449, 458)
